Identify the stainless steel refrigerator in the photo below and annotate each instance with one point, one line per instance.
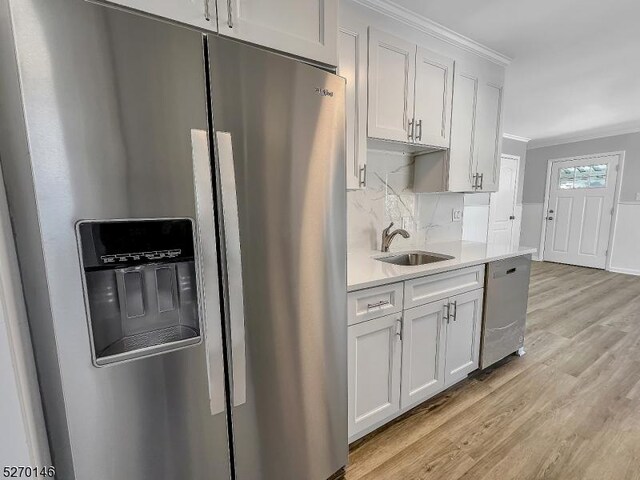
(178, 203)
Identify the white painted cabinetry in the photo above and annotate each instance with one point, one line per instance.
(198, 13)
(476, 131)
(399, 359)
(392, 64)
(410, 91)
(433, 94)
(306, 28)
(423, 352)
(463, 323)
(352, 65)
(374, 371)
(472, 163)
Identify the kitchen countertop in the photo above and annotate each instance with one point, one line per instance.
(364, 271)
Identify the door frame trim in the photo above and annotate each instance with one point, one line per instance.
(616, 199)
(518, 160)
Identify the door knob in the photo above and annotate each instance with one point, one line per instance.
(512, 217)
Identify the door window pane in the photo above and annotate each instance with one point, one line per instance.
(585, 176)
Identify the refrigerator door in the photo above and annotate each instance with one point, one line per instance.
(115, 121)
(279, 130)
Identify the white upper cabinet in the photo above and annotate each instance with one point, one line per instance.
(199, 13)
(410, 91)
(352, 65)
(433, 93)
(306, 28)
(463, 130)
(489, 135)
(423, 353)
(476, 132)
(392, 63)
(463, 336)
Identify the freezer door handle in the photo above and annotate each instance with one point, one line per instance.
(207, 269)
(233, 265)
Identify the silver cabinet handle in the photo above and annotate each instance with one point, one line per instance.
(481, 181)
(454, 314)
(234, 295)
(411, 128)
(229, 14)
(207, 271)
(419, 129)
(447, 311)
(474, 186)
(378, 304)
(399, 327)
(207, 13)
(362, 176)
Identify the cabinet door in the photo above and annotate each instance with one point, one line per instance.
(200, 13)
(306, 28)
(433, 94)
(463, 131)
(392, 64)
(352, 65)
(463, 336)
(489, 134)
(423, 352)
(374, 371)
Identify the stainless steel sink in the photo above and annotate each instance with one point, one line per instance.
(415, 258)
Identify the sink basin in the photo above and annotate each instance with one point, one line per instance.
(414, 258)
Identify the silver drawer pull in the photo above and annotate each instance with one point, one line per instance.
(377, 304)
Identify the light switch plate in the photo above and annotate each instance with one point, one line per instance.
(638, 197)
(456, 215)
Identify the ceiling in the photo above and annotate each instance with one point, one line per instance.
(576, 63)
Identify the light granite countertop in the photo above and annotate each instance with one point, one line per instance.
(364, 271)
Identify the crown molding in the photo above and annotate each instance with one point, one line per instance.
(434, 29)
(581, 137)
(516, 138)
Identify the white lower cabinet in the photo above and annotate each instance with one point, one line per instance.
(423, 352)
(463, 336)
(399, 360)
(374, 371)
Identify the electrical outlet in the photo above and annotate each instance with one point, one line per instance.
(456, 215)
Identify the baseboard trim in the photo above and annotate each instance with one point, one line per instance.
(626, 271)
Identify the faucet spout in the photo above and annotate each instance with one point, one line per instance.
(387, 236)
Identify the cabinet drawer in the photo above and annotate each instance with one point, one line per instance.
(374, 302)
(442, 285)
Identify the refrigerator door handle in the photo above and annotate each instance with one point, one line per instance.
(207, 269)
(233, 261)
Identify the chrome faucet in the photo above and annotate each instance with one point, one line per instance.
(388, 237)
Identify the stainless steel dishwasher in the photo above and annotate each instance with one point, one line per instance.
(505, 308)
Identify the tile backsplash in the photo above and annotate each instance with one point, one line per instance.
(389, 197)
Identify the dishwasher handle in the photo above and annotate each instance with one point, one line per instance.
(524, 268)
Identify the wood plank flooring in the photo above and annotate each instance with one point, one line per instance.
(569, 409)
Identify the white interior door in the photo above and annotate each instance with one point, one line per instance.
(502, 209)
(581, 195)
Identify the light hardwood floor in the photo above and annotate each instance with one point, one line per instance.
(569, 409)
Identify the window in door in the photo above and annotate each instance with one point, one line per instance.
(585, 176)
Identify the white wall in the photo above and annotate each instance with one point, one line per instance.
(476, 217)
(626, 239)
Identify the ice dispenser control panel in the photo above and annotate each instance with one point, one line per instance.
(140, 287)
